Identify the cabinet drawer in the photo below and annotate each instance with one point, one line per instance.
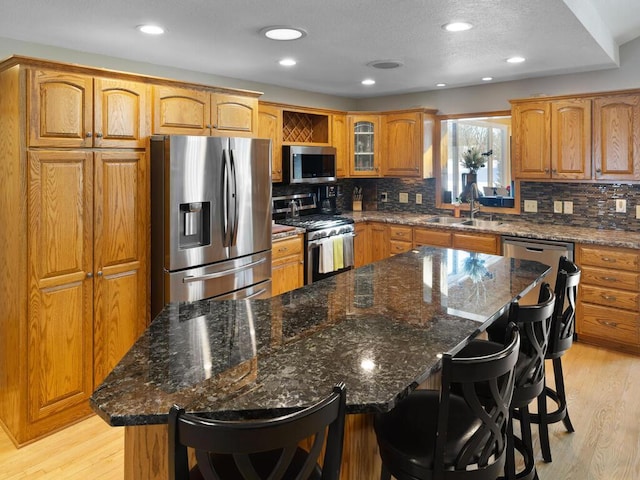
(286, 247)
(476, 243)
(608, 324)
(397, 232)
(437, 238)
(609, 297)
(399, 247)
(608, 258)
(611, 278)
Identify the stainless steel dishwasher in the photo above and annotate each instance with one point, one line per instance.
(544, 251)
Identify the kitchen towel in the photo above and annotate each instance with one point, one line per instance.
(338, 259)
(347, 248)
(326, 256)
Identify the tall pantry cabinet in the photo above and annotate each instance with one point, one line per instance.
(74, 238)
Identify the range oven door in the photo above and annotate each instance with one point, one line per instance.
(317, 268)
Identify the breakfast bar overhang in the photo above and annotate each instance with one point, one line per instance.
(380, 329)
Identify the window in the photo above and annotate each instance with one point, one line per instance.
(491, 136)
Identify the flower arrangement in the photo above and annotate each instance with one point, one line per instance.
(473, 159)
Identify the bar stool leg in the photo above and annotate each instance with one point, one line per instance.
(557, 371)
(543, 425)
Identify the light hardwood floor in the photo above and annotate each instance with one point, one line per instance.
(604, 401)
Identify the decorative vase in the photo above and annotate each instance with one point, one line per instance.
(468, 179)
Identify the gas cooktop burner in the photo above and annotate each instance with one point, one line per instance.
(316, 221)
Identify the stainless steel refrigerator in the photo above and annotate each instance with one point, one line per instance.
(210, 219)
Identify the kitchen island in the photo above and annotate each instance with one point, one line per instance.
(379, 328)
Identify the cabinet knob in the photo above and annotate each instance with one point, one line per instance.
(554, 171)
(90, 275)
(89, 135)
(99, 135)
(598, 170)
(208, 126)
(99, 273)
(546, 170)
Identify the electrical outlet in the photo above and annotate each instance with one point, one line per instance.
(418, 199)
(637, 211)
(568, 208)
(621, 205)
(557, 206)
(384, 197)
(531, 206)
(403, 197)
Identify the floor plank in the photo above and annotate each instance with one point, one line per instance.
(603, 395)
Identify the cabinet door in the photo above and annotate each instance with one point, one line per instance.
(339, 130)
(120, 256)
(571, 139)
(234, 115)
(270, 126)
(60, 325)
(403, 145)
(181, 111)
(364, 145)
(287, 267)
(361, 243)
(378, 233)
(121, 113)
(616, 137)
(531, 133)
(60, 109)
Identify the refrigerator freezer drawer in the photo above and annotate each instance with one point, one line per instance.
(217, 279)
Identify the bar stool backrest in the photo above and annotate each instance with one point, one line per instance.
(563, 324)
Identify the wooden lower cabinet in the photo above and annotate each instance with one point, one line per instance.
(477, 242)
(361, 244)
(431, 237)
(379, 241)
(608, 310)
(287, 264)
(400, 239)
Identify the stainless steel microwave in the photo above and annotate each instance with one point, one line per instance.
(308, 164)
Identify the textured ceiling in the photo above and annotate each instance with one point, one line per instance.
(222, 38)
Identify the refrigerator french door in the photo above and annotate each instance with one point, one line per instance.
(210, 218)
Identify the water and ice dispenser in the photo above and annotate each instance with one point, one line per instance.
(195, 228)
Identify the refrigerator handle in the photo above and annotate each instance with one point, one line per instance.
(226, 227)
(234, 201)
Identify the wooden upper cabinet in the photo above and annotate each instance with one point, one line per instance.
(181, 111)
(364, 145)
(186, 111)
(339, 139)
(121, 113)
(571, 139)
(234, 115)
(402, 145)
(60, 110)
(270, 126)
(531, 131)
(616, 137)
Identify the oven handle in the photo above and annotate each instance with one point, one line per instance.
(316, 243)
(191, 278)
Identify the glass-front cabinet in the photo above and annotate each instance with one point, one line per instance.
(364, 146)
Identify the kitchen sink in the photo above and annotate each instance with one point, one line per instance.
(478, 222)
(445, 220)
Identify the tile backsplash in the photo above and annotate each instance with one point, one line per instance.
(594, 205)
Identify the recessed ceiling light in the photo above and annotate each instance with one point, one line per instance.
(283, 33)
(487, 79)
(457, 26)
(368, 81)
(515, 60)
(151, 29)
(287, 62)
(441, 84)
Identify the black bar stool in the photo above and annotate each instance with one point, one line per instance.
(459, 431)
(560, 340)
(258, 449)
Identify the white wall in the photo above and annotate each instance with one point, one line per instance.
(495, 96)
(272, 93)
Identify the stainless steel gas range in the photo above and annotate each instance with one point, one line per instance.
(328, 237)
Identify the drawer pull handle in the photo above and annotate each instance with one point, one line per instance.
(610, 279)
(283, 249)
(608, 324)
(607, 259)
(609, 298)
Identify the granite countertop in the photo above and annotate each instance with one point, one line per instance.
(379, 328)
(516, 228)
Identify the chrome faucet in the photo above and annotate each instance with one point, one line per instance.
(474, 205)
